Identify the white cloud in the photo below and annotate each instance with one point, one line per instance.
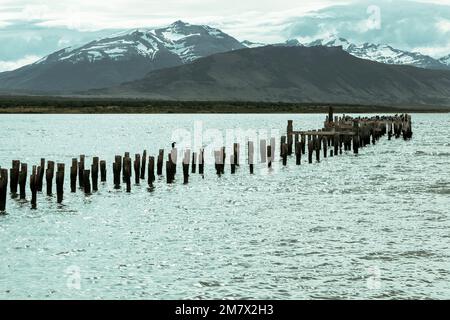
(12, 65)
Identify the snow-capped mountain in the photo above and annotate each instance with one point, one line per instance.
(382, 53)
(188, 42)
(124, 56)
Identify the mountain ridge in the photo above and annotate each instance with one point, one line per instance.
(291, 74)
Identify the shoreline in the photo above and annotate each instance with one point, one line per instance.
(77, 105)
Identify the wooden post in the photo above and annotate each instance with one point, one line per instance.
(232, 164)
(137, 168)
(303, 143)
(151, 171)
(14, 174)
(194, 161)
(143, 164)
(187, 156)
(336, 144)
(3, 189)
(222, 156)
(81, 171)
(159, 164)
(310, 151)
(86, 182)
(22, 180)
(117, 166)
(59, 182)
(251, 152)
(103, 171)
(73, 175)
(236, 150)
(169, 171)
(201, 162)
(94, 172)
(284, 153)
(40, 177)
(290, 129)
(317, 147)
(298, 153)
(33, 187)
(49, 173)
(269, 156)
(272, 148)
(325, 146)
(217, 161)
(127, 172)
(125, 155)
(283, 140)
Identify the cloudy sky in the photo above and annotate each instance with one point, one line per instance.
(30, 29)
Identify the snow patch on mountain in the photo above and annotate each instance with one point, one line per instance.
(185, 40)
(381, 53)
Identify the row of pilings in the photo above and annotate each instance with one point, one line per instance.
(338, 135)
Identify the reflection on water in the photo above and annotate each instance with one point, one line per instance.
(374, 225)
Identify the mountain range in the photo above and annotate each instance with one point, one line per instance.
(375, 52)
(121, 57)
(292, 74)
(144, 60)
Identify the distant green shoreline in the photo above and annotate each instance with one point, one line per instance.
(71, 105)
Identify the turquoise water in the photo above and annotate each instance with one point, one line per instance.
(374, 225)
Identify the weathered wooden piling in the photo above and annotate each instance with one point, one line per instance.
(125, 155)
(73, 175)
(87, 182)
(127, 172)
(290, 137)
(49, 173)
(103, 171)
(303, 143)
(159, 164)
(14, 177)
(310, 151)
(186, 158)
(325, 146)
(201, 162)
(59, 182)
(232, 165)
(336, 144)
(251, 152)
(317, 147)
(3, 189)
(40, 177)
(236, 151)
(137, 168)
(284, 153)
(22, 180)
(269, 156)
(33, 187)
(282, 141)
(81, 171)
(117, 166)
(143, 164)
(298, 153)
(218, 160)
(94, 173)
(194, 162)
(169, 171)
(151, 171)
